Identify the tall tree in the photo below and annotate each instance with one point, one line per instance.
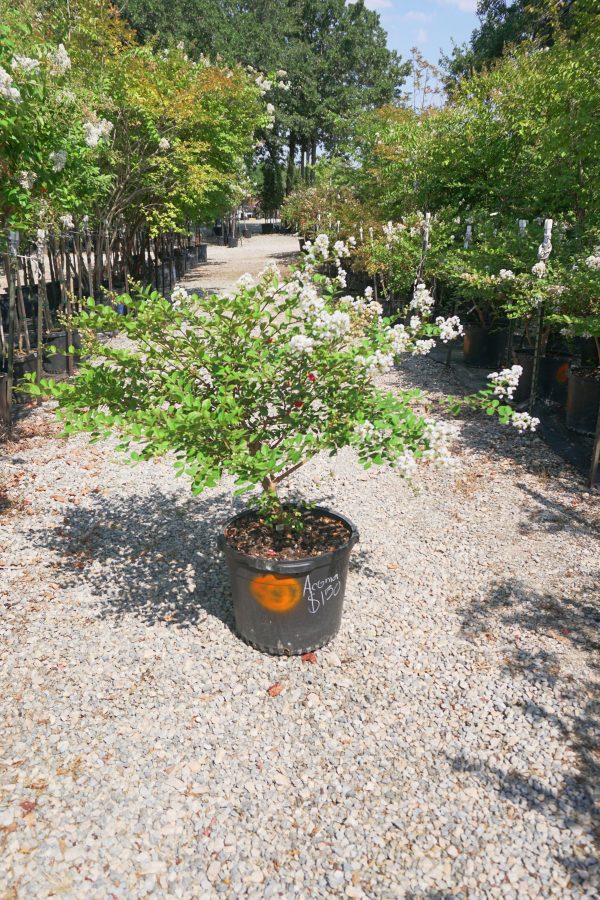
(503, 23)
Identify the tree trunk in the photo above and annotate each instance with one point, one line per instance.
(291, 164)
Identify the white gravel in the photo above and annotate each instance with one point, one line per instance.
(445, 745)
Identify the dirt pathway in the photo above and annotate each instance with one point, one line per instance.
(226, 265)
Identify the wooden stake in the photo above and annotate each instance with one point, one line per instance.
(13, 245)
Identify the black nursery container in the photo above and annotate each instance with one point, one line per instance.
(289, 607)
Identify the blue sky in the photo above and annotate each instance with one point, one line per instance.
(430, 25)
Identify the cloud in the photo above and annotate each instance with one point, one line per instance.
(422, 36)
(468, 6)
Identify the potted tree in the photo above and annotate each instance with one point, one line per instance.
(253, 384)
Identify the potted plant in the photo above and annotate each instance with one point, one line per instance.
(253, 384)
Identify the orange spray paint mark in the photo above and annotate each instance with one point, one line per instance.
(276, 592)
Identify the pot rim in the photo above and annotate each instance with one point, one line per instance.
(285, 566)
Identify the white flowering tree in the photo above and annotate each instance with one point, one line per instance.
(256, 382)
(45, 171)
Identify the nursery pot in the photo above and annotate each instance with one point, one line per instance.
(552, 379)
(56, 363)
(583, 400)
(267, 227)
(202, 253)
(232, 241)
(483, 347)
(288, 606)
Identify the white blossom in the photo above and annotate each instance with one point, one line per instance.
(300, 343)
(449, 328)
(309, 302)
(246, 281)
(332, 326)
(400, 339)
(25, 64)
(59, 60)
(67, 221)
(58, 160)
(164, 145)
(179, 296)
(524, 422)
(340, 249)
(406, 465)
(422, 300)
(97, 131)
(281, 73)
(365, 430)
(539, 269)
(423, 347)
(506, 274)
(505, 381)
(593, 262)
(439, 437)
(377, 364)
(7, 88)
(27, 180)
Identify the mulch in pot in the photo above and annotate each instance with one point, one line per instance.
(253, 536)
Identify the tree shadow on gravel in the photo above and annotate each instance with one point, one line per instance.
(552, 515)
(154, 557)
(567, 619)
(554, 451)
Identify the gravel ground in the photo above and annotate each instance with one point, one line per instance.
(445, 745)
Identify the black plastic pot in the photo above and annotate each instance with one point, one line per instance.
(552, 379)
(22, 365)
(483, 348)
(288, 607)
(583, 400)
(232, 241)
(267, 228)
(202, 253)
(56, 363)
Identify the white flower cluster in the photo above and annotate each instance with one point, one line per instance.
(406, 465)
(377, 364)
(365, 430)
(7, 88)
(300, 343)
(524, 422)
(364, 304)
(422, 300)
(164, 145)
(309, 302)
(506, 274)
(246, 282)
(60, 61)
(505, 381)
(58, 160)
(423, 347)
(67, 221)
(27, 180)
(178, 296)
(449, 328)
(439, 436)
(332, 326)
(264, 84)
(593, 262)
(25, 64)
(400, 339)
(97, 131)
(539, 269)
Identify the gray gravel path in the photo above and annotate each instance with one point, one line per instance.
(445, 745)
